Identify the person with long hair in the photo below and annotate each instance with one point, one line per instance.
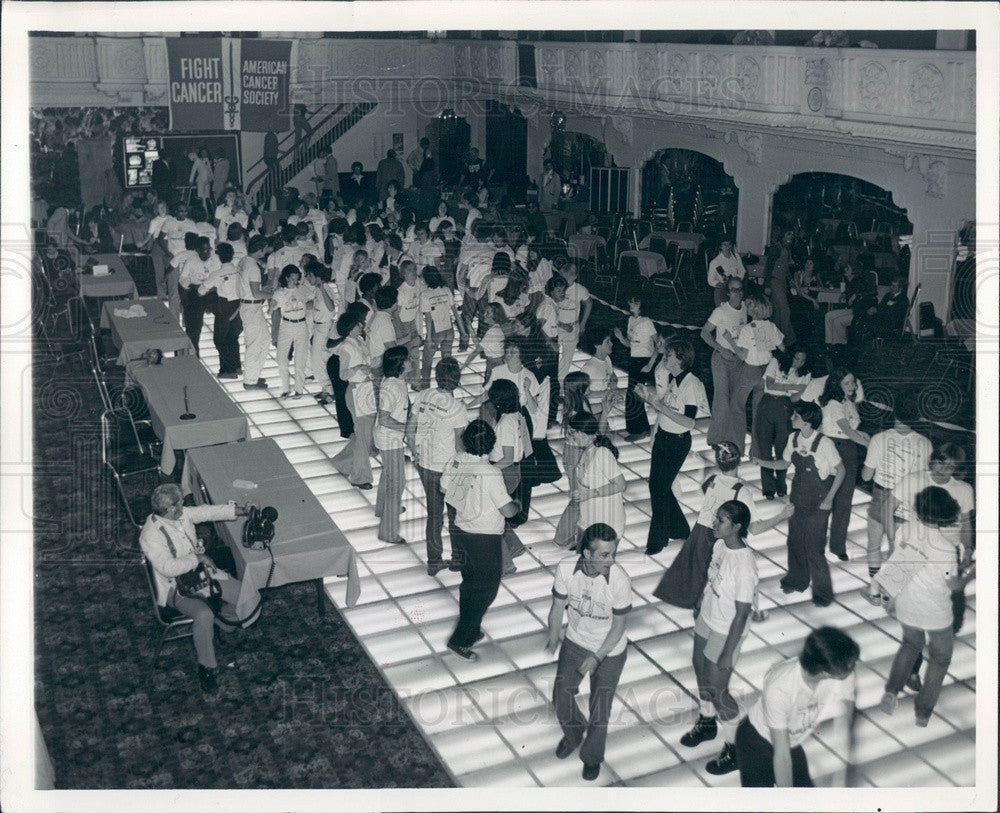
(920, 598)
(353, 460)
(201, 176)
(289, 303)
(721, 626)
(640, 338)
(575, 401)
(475, 489)
(755, 345)
(513, 440)
(720, 333)
(596, 593)
(819, 472)
(678, 399)
(785, 379)
(393, 411)
(798, 694)
(840, 424)
(437, 304)
(598, 495)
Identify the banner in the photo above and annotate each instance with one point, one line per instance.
(228, 84)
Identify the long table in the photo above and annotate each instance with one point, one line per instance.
(689, 240)
(118, 282)
(158, 329)
(307, 544)
(217, 419)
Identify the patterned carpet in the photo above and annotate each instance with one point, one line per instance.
(300, 706)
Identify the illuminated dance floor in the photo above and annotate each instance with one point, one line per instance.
(492, 723)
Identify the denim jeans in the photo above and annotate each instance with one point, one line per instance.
(939, 648)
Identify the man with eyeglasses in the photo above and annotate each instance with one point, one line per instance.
(719, 333)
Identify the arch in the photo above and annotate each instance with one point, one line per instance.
(574, 152)
(694, 185)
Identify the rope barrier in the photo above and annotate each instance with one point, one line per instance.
(654, 321)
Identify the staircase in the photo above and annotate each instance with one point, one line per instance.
(293, 157)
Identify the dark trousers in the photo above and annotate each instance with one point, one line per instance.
(193, 307)
(771, 427)
(940, 644)
(668, 520)
(636, 420)
(522, 493)
(592, 732)
(344, 418)
(431, 481)
(806, 557)
(226, 334)
(755, 756)
(481, 568)
(840, 516)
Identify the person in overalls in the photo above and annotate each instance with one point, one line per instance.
(818, 474)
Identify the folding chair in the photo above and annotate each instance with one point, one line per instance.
(122, 453)
(175, 625)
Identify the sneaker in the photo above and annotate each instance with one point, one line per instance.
(758, 616)
(875, 600)
(257, 386)
(564, 749)
(705, 729)
(207, 679)
(464, 652)
(913, 682)
(725, 762)
(591, 770)
(889, 703)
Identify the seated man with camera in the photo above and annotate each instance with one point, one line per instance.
(185, 577)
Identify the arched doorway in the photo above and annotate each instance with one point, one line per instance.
(838, 219)
(688, 187)
(574, 154)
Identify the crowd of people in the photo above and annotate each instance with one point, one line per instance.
(385, 310)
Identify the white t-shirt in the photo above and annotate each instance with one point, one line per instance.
(508, 432)
(726, 318)
(788, 703)
(599, 371)
(177, 260)
(437, 415)
(547, 315)
(723, 267)
(836, 411)
(912, 484)
(925, 600)
(721, 490)
(409, 300)
(492, 342)
(689, 392)
(827, 457)
(569, 308)
(760, 339)
(893, 456)
(292, 302)
(598, 468)
(438, 303)
(353, 352)
(249, 272)
(591, 602)
(474, 487)
(194, 270)
(640, 334)
(380, 333)
(774, 371)
(732, 577)
(394, 399)
(524, 379)
(538, 278)
(174, 230)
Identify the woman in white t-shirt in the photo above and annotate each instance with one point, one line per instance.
(475, 491)
(720, 628)
(840, 424)
(289, 303)
(597, 495)
(797, 695)
(785, 379)
(513, 444)
(755, 345)
(393, 410)
(720, 333)
(437, 304)
(929, 565)
(356, 369)
(639, 337)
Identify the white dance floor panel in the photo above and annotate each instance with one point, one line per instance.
(492, 722)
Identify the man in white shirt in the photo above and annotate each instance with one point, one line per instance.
(892, 455)
(193, 272)
(434, 431)
(172, 548)
(256, 335)
(172, 233)
(726, 265)
(381, 332)
(228, 325)
(174, 270)
(597, 593)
